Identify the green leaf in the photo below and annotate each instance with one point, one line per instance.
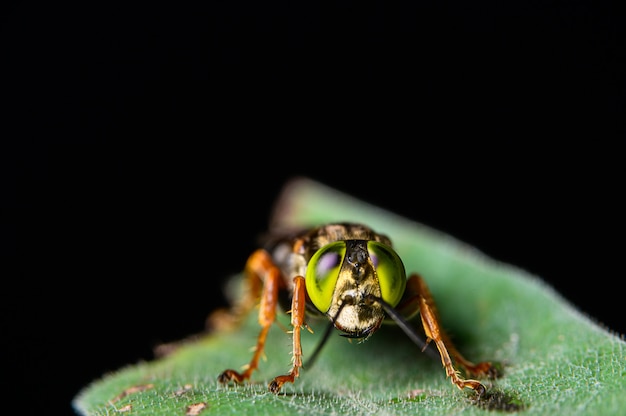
(555, 359)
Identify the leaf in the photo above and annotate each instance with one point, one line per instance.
(555, 359)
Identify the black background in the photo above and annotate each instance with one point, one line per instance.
(147, 143)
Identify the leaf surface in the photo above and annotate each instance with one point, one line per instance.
(555, 359)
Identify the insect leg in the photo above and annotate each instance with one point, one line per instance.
(434, 332)
(298, 306)
(259, 267)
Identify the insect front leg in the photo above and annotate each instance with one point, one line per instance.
(259, 268)
(419, 297)
(298, 306)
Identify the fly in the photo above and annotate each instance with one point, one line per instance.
(352, 275)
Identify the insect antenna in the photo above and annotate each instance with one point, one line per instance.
(318, 349)
(325, 336)
(406, 327)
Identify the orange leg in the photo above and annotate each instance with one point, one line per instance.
(259, 269)
(297, 322)
(421, 299)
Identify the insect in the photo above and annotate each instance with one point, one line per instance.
(352, 275)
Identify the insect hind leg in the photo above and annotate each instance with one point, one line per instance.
(259, 269)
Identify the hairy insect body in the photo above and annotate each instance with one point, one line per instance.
(352, 275)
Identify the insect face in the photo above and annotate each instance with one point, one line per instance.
(345, 279)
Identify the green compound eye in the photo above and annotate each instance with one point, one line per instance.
(322, 273)
(390, 271)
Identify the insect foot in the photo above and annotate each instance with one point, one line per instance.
(484, 369)
(278, 382)
(230, 375)
(275, 386)
(477, 387)
(491, 371)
